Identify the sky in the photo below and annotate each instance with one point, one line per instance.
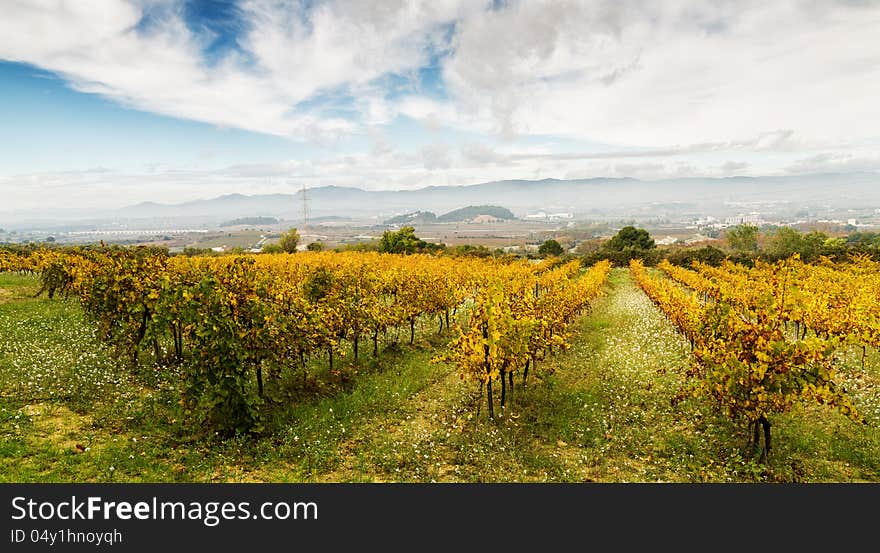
(106, 103)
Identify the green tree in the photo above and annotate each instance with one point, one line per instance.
(684, 257)
(190, 251)
(365, 246)
(814, 245)
(550, 247)
(834, 247)
(785, 242)
(470, 250)
(863, 239)
(403, 241)
(289, 241)
(630, 237)
(315, 247)
(743, 238)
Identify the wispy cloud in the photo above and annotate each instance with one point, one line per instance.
(775, 141)
(649, 74)
(684, 71)
(287, 56)
(830, 162)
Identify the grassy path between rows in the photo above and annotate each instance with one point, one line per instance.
(587, 415)
(600, 411)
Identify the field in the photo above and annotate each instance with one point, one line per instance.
(600, 411)
(335, 234)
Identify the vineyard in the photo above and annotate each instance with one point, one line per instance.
(325, 366)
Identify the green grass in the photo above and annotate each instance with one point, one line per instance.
(600, 411)
(231, 239)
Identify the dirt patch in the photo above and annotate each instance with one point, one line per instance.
(58, 426)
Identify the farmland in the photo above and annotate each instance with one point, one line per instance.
(605, 406)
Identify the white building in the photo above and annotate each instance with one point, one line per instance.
(743, 218)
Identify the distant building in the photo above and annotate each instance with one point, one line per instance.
(741, 219)
(668, 241)
(545, 215)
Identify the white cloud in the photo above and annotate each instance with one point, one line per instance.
(290, 57)
(480, 154)
(436, 156)
(776, 141)
(831, 162)
(639, 73)
(644, 170)
(675, 87)
(662, 73)
(734, 167)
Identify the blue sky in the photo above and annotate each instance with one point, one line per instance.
(47, 126)
(113, 102)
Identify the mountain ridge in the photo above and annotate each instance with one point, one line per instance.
(591, 197)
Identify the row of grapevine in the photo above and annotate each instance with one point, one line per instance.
(234, 323)
(518, 319)
(743, 360)
(829, 299)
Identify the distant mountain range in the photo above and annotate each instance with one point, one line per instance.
(589, 198)
(523, 196)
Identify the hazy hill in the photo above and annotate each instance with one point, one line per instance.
(228, 206)
(523, 196)
(412, 218)
(473, 211)
(596, 197)
(253, 221)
